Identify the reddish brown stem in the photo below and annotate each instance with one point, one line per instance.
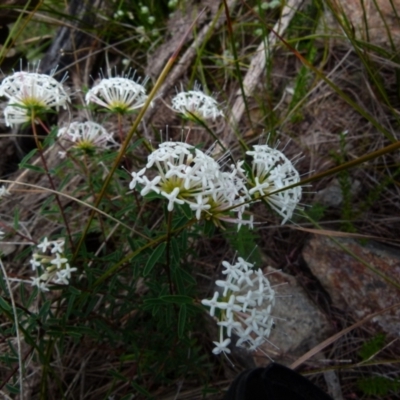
(53, 187)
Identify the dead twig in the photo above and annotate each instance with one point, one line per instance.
(257, 67)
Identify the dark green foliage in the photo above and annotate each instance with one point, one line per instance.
(345, 182)
(372, 346)
(315, 212)
(379, 385)
(155, 256)
(245, 242)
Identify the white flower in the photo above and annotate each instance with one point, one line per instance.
(172, 197)
(64, 275)
(16, 114)
(40, 283)
(58, 261)
(200, 206)
(211, 303)
(272, 171)
(244, 307)
(88, 136)
(31, 93)
(2, 234)
(4, 192)
(197, 103)
(44, 245)
(57, 246)
(51, 263)
(136, 178)
(230, 324)
(118, 94)
(222, 347)
(187, 175)
(34, 261)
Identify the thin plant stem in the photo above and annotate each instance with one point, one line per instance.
(88, 174)
(53, 187)
(236, 62)
(46, 129)
(340, 92)
(138, 251)
(168, 252)
(332, 171)
(16, 322)
(13, 37)
(132, 131)
(121, 135)
(76, 200)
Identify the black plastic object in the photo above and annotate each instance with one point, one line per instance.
(275, 382)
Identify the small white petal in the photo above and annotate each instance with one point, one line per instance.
(222, 347)
(197, 103)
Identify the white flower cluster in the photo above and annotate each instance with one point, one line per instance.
(31, 92)
(244, 306)
(88, 136)
(188, 175)
(51, 262)
(197, 103)
(272, 171)
(4, 191)
(118, 94)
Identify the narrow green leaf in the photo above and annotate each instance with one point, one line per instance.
(74, 290)
(44, 311)
(151, 262)
(24, 161)
(182, 321)
(184, 241)
(4, 305)
(34, 168)
(209, 228)
(177, 299)
(167, 315)
(141, 389)
(12, 389)
(178, 280)
(131, 243)
(187, 277)
(152, 301)
(76, 335)
(71, 304)
(128, 357)
(187, 211)
(151, 195)
(175, 250)
(180, 221)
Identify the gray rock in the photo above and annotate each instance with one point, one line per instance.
(352, 286)
(374, 21)
(332, 195)
(300, 325)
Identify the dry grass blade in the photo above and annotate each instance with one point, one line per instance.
(18, 337)
(336, 336)
(326, 232)
(258, 64)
